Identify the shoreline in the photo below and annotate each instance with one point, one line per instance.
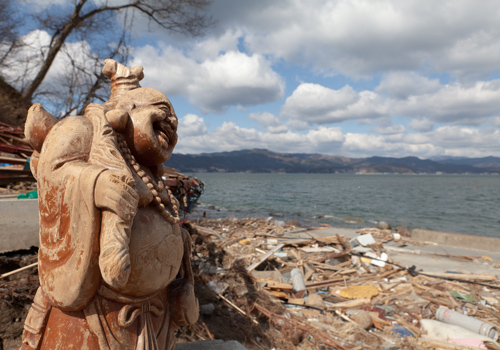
(319, 221)
(20, 222)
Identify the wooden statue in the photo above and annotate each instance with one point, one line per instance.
(114, 264)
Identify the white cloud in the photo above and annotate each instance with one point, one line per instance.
(211, 46)
(272, 123)
(232, 78)
(422, 125)
(401, 85)
(410, 46)
(393, 141)
(41, 5)
(277, 129)
(468, 142)
(230, 137)
(361, 145)
(296, 124)
(21, 69)
(458, 104)
(318, 104)
(267, 119)
(363, 37)
(455, 103)
(325, 137)
(390, 130)
(191, 125)
(447, 140)
(54, 92)
(235, 78)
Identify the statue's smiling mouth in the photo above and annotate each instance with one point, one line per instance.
(164, 132)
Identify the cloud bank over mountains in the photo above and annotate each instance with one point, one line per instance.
(353, 78)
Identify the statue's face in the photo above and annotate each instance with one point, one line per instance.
(151, 130)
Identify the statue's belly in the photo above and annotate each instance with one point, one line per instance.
(155, 253)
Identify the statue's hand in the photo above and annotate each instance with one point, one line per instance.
(117, 198)
(114, 192)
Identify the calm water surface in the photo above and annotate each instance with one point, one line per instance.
(464, 204)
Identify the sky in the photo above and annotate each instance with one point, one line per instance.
(353, 78)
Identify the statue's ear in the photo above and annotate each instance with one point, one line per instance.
(118, 119)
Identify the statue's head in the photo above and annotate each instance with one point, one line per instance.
(145, 116)
(151, 128)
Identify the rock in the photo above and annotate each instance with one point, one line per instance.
(363, 318)
(207, 309)
(217, 287)
(383, 225)
(315, 300)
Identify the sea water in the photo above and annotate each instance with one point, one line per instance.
(453, 203)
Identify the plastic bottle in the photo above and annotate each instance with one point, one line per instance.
(452, 317)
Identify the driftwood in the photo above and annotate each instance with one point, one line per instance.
(18, 270)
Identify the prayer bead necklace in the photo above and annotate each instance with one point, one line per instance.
(155, 189)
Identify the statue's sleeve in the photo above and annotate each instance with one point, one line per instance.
(69, 220)
(183, 303)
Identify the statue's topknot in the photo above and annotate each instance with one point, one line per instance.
(122, 78)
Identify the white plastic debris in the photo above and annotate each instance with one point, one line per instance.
(363, 240)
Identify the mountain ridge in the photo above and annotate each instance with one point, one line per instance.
(266, 161)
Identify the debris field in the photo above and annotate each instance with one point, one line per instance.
(277, 291)
(260, 284)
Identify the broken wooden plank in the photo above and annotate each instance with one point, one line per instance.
(350, 304)
(264, 257)
(465, 277)
(325, 283)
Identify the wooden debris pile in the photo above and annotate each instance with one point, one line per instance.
(12, 141)
(290, 290)
(14, 150)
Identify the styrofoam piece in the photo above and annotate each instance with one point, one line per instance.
(298, 280)
(364, 240)
(380, 261)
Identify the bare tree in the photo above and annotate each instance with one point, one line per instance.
(82, 81)
(92, 22)
(174, 15)
(9, 40)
